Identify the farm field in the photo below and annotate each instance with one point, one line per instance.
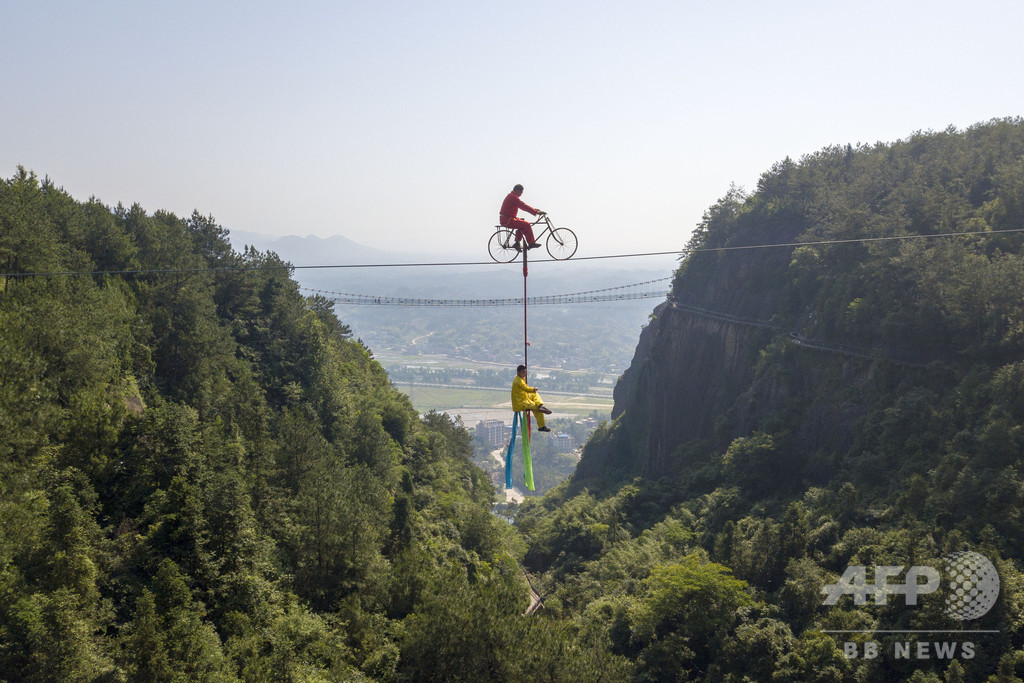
(475, 404)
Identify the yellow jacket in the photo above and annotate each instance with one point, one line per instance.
(524, 397)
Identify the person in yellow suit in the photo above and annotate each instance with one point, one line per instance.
(526, 398)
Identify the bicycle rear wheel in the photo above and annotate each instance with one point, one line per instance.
(501, 246)
(561, 244)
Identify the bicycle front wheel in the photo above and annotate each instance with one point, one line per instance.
(502, 247)
(561, 244)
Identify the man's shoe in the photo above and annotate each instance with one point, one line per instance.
(544, 410)
(543, 429)
(517, 246)
(534, 245)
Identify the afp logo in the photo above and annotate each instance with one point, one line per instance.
(971, 592)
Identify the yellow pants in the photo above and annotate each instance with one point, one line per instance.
(539, 415)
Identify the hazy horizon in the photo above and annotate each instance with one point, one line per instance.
(409, 124)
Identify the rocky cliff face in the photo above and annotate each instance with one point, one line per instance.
(697, 379)
(688, 369)
(697, 357)
(718, 362)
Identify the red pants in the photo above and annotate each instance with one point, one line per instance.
(521, 227)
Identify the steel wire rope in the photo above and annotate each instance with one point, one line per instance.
(679, 252)
(794, 337)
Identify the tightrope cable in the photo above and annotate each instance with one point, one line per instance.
(678, 252)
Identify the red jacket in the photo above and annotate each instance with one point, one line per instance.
(510, 208)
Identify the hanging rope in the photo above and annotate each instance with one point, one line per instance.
(527, 466)
(526, 343)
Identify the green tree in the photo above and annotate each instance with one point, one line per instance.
(689, 606)
(192, 645)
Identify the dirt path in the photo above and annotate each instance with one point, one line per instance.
(511, 495)
(535, 600)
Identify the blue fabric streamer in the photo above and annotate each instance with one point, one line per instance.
(508, 456)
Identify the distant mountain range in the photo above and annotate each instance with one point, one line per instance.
(311, 250)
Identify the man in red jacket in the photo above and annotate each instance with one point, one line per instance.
(507, 217)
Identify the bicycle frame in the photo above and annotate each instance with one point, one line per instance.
(548, 226)
(561, 242)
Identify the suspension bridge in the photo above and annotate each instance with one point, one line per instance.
(651, 289)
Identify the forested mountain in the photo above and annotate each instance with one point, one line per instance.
(854, 397)
(204, 478)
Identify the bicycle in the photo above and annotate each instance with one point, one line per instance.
(561, 242)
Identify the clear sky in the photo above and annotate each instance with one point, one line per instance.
(404, 124)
